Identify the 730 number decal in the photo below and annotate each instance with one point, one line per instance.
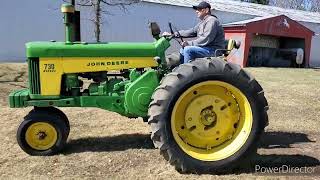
(49, 68)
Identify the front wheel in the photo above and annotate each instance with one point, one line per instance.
(42, 133)
(207, 116)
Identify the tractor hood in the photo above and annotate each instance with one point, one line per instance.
(110, 49)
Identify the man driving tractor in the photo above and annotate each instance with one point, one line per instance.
(208, 32)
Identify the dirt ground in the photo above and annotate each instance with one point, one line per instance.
(105, 145)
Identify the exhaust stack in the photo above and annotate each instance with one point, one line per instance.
(68, 12)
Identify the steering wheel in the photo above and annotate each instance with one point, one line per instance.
(172, 32)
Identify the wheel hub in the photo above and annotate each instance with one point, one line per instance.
(211, 120)
(41, 135)
(208, 117)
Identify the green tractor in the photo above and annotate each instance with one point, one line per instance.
(205, 116)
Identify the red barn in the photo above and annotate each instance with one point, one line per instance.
(276, 41)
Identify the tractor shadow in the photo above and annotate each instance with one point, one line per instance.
(110, 143)
(272, 140)
(281, 142)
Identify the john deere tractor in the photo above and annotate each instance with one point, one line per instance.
(205, 116)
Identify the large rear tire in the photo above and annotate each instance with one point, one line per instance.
(207, 116)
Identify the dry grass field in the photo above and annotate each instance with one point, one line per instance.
(105, 145)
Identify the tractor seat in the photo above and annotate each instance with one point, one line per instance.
(230, 44)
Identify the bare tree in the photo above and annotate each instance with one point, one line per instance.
(307, 5)
(297, 4)
(100, 7)
(315, 5)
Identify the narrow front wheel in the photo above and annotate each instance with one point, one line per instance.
(42, 133)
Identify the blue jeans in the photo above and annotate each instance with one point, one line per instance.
(191, 52)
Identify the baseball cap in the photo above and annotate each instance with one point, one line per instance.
(202, 5)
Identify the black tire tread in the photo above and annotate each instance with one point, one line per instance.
(180, 76)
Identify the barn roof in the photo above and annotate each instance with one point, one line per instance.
(247, 8)
(272, 25)
(244, 22)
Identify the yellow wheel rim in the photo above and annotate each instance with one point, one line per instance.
(211, 120)
(41, 136)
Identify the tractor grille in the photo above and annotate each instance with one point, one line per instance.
(34, 76)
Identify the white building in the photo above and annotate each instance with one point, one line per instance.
(43, 21)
